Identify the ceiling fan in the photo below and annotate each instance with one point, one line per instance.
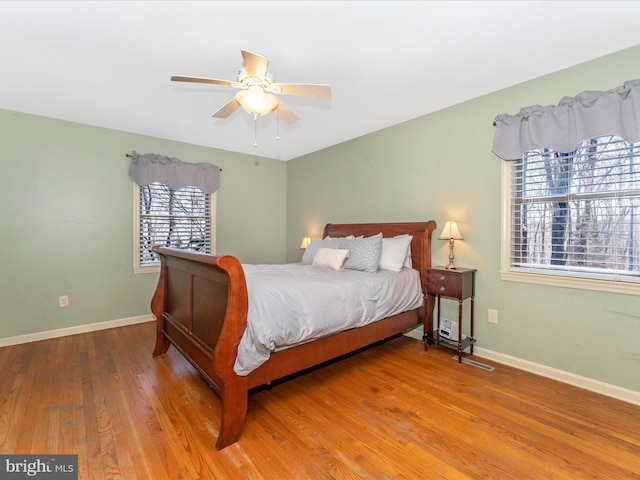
(257, 95)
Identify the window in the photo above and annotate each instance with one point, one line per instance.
(169, 217)
(575, 216)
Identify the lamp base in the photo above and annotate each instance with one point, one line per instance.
(451, 266)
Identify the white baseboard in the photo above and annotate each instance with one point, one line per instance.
(415, 333)
(63, 332)
(560, 375)
(553, 373)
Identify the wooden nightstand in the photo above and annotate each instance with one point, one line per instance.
(458, 284)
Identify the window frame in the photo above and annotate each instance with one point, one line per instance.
(137, 268)
(556, 278)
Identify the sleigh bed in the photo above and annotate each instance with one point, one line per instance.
(201, 305)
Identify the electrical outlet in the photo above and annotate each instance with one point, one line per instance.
(492, 316)
(63, 301)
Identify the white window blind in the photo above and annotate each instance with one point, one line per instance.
(577, 214)
(179, 218)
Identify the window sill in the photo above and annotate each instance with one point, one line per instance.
(627, 288)
(153, 269)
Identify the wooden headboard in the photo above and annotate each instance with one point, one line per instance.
(420, 244)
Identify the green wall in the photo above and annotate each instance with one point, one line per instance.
(441, 167)
(66, 206)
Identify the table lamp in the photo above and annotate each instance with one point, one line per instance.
(451, 232)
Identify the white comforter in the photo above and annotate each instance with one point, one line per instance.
(295, 303)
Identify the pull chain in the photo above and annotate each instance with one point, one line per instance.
(255, 129)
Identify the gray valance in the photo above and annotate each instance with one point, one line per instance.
(149, 168)
(574, 119)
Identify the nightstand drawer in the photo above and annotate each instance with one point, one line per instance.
(443, 283)
(445, 290)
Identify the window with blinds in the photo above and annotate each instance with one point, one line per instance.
(577, 214)
(171, 218)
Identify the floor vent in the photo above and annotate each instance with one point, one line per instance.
(468, 361)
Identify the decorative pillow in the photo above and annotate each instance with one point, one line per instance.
(365, 253)
(315, 245)
(395, 252)
(331, 257)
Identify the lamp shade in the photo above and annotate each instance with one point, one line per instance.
(451, 232)
(305, 242)
(255, 100)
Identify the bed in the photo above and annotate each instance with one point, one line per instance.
(201, 306)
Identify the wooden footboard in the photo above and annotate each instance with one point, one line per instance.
(201, 307)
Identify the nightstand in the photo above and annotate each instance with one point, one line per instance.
(459, 284)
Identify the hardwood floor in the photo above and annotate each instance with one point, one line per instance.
(392, 411)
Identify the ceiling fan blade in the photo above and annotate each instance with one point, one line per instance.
(227, 109)
(284, 113)
(305, 90)
(255, 64)
(179, 78)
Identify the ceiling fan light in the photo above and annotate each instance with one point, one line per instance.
(254, 100)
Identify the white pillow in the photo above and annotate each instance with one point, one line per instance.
(395, 252)
(312, 249)
(331, 257)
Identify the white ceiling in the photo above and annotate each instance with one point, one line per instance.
(108, 63)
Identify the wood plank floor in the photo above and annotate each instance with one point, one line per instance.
(389, 412)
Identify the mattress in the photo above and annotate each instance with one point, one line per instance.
(294, 303)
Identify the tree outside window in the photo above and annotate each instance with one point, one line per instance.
(177, 218)
(576, 213)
